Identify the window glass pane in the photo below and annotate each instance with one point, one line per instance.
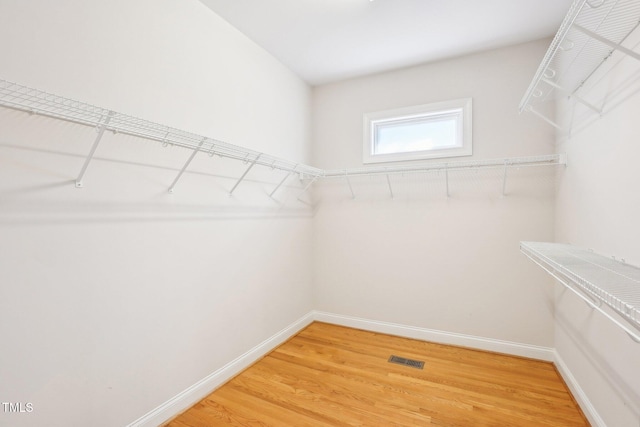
(404, 136)
(429, 131)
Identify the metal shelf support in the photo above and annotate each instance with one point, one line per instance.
(100, 129)
(504, 178)
(545, 118)
(186, 165)
(346, 176)
(245, 174)
(616, 46)
(306, 188)
(389, 184)
(446, 178)
(283, 181)
(573, 95)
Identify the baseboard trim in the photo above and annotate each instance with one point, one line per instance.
(578, 393)
(196, 392)
(442, 337)
(199, 390)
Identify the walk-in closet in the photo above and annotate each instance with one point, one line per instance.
(319, 213)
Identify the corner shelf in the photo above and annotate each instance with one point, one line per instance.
(594, 278)
(590, 33)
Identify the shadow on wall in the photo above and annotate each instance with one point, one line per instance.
(75, 214)
(593, 355)
(47, 194)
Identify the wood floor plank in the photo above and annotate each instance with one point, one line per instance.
(329, 375)
(440, 380)
(333, 388)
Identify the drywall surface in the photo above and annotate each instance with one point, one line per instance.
(118, 296)
(422, 259)
(598, 207)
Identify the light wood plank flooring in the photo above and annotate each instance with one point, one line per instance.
(330, 375)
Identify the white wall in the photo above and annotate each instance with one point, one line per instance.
(598, 208)
(421, 259)
(117, 296)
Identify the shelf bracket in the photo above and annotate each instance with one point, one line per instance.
(186, 165)
(573, 95)
(165, 140)
(353, 195)
(389, 184)
(607, 42)
(283, 181)
(446, 178)
(100, 129)
(543, 117)
(504, 179)
(307, 187)
(245, 173)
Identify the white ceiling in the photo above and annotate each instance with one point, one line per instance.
(328, 40)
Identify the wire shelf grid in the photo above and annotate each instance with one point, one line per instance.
(23, 98)
(16, 96)
(589, 34)
(603, 280)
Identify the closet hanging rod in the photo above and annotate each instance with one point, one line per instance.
(34, 101)
(517, 162)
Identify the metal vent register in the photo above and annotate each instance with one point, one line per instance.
(406, 362)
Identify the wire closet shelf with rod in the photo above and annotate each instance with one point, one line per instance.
(581, 54)
(40, 103)
(607, 285)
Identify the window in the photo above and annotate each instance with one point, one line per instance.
(429, 131)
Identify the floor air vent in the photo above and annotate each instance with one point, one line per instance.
(406, 362)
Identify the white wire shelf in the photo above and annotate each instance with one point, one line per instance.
(591, 31)
(595, 278)
(546, 160)
(503, 164)
(19, 97)
(34, 101)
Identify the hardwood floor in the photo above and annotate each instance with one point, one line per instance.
(330, 375)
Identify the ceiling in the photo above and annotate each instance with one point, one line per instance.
(329, 40)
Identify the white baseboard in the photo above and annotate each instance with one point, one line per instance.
(202, 388)
(196, 392)
(578, 393)
(442, 337)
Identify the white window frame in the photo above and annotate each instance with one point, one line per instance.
(459, 107)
